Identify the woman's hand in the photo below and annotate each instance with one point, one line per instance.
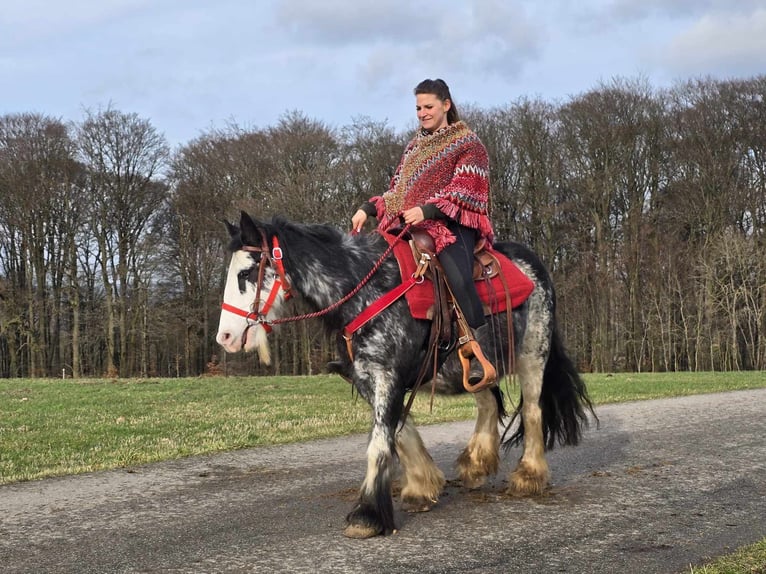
(358, 220)
(414, 215)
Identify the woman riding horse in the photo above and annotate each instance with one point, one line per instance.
(442, 187)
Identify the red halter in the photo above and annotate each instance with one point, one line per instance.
(256, 314)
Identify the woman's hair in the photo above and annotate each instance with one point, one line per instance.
(439, 89)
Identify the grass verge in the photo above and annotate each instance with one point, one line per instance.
(54, 427)
(747, 560)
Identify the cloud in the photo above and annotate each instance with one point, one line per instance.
(627, 11)
(668, 40)
(28, 20)
(344, 22)
(488, 37)
(721, 44)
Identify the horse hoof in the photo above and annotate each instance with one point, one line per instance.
(524, 483)
(475, 482)
(417, 505)
(359, 531)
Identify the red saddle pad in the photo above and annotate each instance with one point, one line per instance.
(492, 293)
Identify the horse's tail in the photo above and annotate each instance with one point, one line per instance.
(564, 401)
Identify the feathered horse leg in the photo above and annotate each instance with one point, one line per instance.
(374, 511)
(481, 456)
(421, 481)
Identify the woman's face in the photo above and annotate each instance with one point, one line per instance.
(432, 112)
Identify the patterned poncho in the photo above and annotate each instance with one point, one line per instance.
(448, 168)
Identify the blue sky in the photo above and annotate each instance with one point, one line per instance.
(192, 65)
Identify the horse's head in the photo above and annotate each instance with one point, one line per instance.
(256, 288)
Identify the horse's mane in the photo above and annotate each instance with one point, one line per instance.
(322, 237)
(316, 234)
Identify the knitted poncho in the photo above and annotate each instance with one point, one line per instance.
(448, 168)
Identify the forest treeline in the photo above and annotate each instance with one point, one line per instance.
(648, 205)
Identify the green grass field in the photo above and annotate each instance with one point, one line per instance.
(54, 427)
(58, 427)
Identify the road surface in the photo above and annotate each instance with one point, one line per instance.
(660, 485)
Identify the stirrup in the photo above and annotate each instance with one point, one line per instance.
(472, 349)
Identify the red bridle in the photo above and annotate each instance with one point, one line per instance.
(257, 314)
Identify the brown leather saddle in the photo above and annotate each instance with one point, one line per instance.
(485, 267)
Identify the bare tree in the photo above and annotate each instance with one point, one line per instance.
(123, 154)
(40, 218)
(204, 180)
(649, 207)
(370, 152)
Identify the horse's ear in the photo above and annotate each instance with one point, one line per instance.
(251, 232)
(233, 229)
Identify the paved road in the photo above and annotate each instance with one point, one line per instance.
(661, 485)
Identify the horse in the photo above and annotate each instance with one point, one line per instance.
(338, 275)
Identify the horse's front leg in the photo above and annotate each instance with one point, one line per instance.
(421, 480)
(481, 457)
(374, 512)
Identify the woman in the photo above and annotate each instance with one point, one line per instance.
(441, 185)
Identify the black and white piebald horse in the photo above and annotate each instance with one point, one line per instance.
(323, 265)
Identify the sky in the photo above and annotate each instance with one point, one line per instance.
(191, 66)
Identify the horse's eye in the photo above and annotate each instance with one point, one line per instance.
(245, 275)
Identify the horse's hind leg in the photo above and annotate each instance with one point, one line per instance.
(481, 457)
(421, 479)
(531, 474)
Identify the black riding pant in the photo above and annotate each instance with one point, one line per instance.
(457, 261)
